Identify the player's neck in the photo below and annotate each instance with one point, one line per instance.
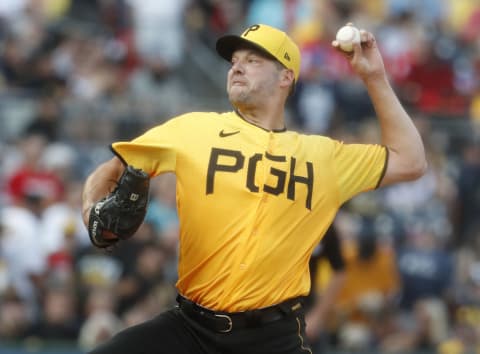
(265, 118)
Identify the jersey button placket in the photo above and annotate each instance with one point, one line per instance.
(270, 150)
(260, 181)
(271, 139)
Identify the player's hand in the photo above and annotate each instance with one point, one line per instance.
(119, 214)
(365, 59)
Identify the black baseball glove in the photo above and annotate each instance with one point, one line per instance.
(122, 211)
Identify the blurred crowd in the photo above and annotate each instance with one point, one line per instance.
(76, 75)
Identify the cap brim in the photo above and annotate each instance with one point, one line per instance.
(226, 45)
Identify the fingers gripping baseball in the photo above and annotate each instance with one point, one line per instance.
(360, 48)
(120, 214)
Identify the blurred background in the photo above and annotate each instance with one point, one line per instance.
(76, 75)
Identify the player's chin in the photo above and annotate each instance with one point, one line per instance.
(237, 95)
(236, 90)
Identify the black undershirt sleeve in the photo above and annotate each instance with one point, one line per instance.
(332, 249)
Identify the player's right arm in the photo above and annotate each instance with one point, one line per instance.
(406, 154)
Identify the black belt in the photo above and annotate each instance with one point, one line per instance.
(225, 322)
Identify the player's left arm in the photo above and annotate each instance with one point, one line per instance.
(406, 155)
(100, 183)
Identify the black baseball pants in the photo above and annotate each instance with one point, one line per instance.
(173, 332)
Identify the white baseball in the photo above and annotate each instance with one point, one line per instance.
(347, 36)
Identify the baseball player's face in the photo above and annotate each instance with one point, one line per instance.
(251, 78)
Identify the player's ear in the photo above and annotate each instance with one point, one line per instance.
(287, 77)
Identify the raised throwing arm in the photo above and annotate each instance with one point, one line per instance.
(406, 159)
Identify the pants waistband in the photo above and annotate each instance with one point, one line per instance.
(224, 322)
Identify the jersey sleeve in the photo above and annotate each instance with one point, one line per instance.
(358, 168)
(155, 151)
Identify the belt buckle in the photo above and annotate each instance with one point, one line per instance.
(230, 323)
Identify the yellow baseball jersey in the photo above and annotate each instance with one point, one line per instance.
(252, 203)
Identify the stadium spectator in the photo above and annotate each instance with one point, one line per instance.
(362, 308)
(426, 271)
(58, 319)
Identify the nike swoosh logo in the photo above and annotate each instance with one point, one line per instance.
(223, 134)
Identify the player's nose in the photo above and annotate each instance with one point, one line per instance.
(237, 67)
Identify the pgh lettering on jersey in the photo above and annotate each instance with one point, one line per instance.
(252, 196)
(238, 163)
